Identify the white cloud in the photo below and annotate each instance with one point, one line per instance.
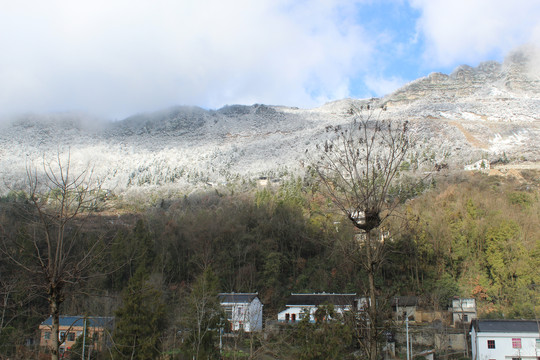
(382, 86)
(460, 31)
(120, 57)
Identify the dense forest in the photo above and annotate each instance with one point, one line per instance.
(462, 234)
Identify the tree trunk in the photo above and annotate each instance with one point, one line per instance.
(372, 299)
(54, 306)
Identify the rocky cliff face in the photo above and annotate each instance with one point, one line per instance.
(490, 111)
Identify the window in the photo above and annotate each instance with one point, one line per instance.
(516, 358)
(47, 335)
(62, 336)
(293, 317)
(287, 317)
(465, 318)
(71, 336)
(538, 345)
(516, 343)
(228, 313)
(491, 344)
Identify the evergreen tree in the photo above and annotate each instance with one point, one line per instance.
(139, 321)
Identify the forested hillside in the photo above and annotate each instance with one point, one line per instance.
(467, 234)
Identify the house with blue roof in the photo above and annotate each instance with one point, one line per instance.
(71, 327)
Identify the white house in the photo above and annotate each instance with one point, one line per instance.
(505, 340)
(482, 165)
(244, 311)
(463, 310)
(298, 304)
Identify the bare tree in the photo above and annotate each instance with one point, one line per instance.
(358, 167)
(54, 252)
(203, 315)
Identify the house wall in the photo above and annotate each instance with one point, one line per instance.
(474, 344)
(75, 330)
(463, 310)
(432, 338)
(463, 317)
(503, 346)
(255, 316)
(431, 316)
(296, 313)
(245, 316)
(410, 312)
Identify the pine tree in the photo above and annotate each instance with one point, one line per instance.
(139, 321)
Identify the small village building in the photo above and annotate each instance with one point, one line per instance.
(300, 304)
(404, 307)
(71, 327)
(463, 310)
(505, 339)
(244, 311)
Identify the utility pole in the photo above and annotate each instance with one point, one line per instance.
(407, 334)
(397, 307)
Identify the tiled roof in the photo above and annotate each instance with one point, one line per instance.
(319, 299)
(237, 297)
(404, 301)
(505, 326)
(91, 321)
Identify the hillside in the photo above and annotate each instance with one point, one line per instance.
(490, 111)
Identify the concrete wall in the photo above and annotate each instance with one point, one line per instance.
(439, 338)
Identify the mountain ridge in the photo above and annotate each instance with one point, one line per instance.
(489, 111)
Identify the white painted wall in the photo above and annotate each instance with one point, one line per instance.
(300, 311)
(246, 316)
(503, 346)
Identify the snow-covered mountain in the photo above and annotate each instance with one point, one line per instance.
(491, 111)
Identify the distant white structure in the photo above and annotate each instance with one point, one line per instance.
(505, 340)
(298, 305)
(244, 311)
(480, 165)
(463, 310)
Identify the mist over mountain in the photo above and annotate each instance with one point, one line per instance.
(484, 112)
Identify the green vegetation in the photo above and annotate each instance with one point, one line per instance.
(469, 235)
(140, 320)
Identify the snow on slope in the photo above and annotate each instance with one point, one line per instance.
(489, 111)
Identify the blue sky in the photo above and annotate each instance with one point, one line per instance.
(118, 58)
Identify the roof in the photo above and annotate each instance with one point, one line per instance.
(237, 297)
(319, 299)
(511, 326)
(404, 301)
(92, 321)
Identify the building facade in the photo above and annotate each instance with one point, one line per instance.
(505, 340)
(463, 310)
(298, 305)
(244, 311)
(71, 327)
